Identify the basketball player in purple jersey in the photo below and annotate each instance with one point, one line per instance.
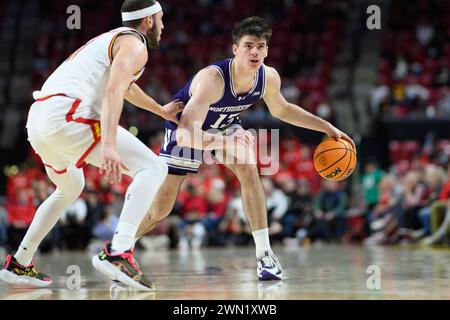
(214, 98)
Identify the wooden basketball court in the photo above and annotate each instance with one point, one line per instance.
(316, 272)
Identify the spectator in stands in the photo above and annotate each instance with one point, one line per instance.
(299, 212)
(95, 210)
(191, 229)
(378, 97)
(415, 65)
(413, 199)
(370, 179)
(424, 32)
(384, 216)
(443, 104)
(163, 236)
(356, 219)
(436, 223)
(434, 176)
(3, 226)
(443, 231)
(104, 192)
(416, 96)
(304, 167)
(106, 226)
(329, 207)
(102, 229)
(16, 182)
(20, 215)
(277, 204)
(234, 228)
(401, 68)
(217, 200)
(290, 91)
(73, 230)
(325, 111)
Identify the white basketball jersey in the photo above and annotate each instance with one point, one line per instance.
(84, 75)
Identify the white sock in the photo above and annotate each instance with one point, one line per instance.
(25, 253)
(123, 238)
(262, 243)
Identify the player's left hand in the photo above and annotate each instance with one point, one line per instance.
(335, 133)
(171, 110)
(247, 136)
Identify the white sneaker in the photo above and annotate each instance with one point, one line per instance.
(183, 245)
(268, 267)
(416, 234)
(301, 234)
(196, 243)
(379, 224)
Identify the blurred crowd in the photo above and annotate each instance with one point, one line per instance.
(408, 202)
(374, 206)
(414, 66)
(192, 39)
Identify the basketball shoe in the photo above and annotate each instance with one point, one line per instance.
(16, 273)
(268, 267)
(123, 268)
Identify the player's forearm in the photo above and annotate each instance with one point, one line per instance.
(299, 117)
(139, 98)
(109, 120)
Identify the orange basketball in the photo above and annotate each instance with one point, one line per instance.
(334, 159)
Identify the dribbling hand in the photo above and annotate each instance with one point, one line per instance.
(335, 133)
(111, 164)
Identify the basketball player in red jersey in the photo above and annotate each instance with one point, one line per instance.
(75, 120)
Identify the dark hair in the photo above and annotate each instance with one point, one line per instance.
(253, 26)
(133, 5)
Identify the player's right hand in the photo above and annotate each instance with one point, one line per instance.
(335, 133)
(111, 165)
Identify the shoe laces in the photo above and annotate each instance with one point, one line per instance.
(27, 268)
(31, 268)
(270, 260)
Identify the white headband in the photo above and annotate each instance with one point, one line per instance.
(139, 14)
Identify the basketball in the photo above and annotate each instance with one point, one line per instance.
(334, 159)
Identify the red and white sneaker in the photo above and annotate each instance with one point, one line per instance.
(123, 268)
(15, 273)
